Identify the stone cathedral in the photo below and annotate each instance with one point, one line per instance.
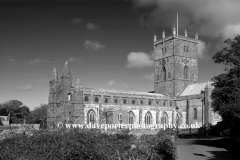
(177, 98)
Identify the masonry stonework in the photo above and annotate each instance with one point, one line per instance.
(177, 97)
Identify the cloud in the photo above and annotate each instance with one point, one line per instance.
(231, 30)
(139, 60)
(36, 61)
(203, 49)
(91, 26)
(93, 45)
(76, 20)
(12, 61)
(111, 83)
(149, 76)
(215, 18)
(24, 88)
(74, 59)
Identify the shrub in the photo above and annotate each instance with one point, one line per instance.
(86, 144)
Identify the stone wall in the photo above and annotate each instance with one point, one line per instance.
(173, 54)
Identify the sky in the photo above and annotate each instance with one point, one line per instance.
(108, 44)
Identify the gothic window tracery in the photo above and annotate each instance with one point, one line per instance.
(120, 118)
(148, 118)
(164, 118)
(91, 117)
(130, 117)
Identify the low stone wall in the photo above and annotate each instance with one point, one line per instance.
(13, 129)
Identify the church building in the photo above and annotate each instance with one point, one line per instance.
(177, 98)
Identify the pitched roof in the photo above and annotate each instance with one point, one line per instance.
(194, 89)
(124, 92)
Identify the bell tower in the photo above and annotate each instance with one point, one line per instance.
(175, 63)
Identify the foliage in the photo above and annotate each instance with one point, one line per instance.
(18, 112)
(39, 116)
(220, 129)
(87, 144)
(226, 92)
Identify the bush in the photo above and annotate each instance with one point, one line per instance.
(87, 144)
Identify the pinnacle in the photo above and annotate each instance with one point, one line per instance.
(66, 71)
(78, 84)
(54, 75)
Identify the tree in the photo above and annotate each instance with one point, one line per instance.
(18, 112)
(226, 92)
(39, 115)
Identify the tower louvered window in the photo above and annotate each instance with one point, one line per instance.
(185, 72)
(164, 74)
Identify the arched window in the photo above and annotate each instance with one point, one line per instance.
(185, 72)
(91, 118)
(169, 75)
(106, 100)
(120, 118)
(86, 99)
(69, 117)
(179, 119)
(115, 100)
(195, 114)
(149, 102)
(164, 74)
(130, 117)
(141, 102)
(164, 118)
(69, 96)
(157, 116)
(148, 118)
(133, 101)
(164, 103)
(96, 99)
(124, 101)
